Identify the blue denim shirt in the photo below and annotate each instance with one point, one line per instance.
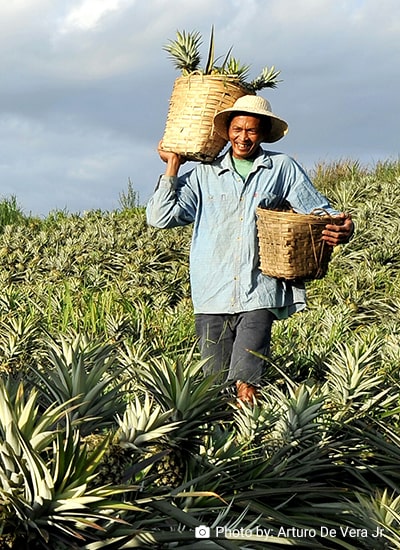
(224, 259)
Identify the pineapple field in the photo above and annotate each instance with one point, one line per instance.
(112, 438)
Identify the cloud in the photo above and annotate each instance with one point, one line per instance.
(86, 85)
(89, 13)
(76, 169)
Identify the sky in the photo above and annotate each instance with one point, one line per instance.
(85, 87)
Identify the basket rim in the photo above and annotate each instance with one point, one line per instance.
(199, 75)
(298, 216)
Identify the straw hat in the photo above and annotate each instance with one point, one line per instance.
(253, 105)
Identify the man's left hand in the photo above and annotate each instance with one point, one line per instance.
(339, 234)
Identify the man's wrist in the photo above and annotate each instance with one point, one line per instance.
(173, 166)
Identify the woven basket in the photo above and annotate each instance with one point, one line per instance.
(291, 245)
(195, 100)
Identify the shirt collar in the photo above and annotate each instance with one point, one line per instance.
(263, 158)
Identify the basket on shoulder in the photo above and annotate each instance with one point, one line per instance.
(291, 245)
(202, 92)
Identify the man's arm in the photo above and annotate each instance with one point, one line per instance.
(172, 160)
(173, 203)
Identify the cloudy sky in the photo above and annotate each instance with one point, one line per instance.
(85, 87)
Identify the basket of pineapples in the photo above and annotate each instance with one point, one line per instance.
(199, 94)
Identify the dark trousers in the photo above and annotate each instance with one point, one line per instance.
(226, 341)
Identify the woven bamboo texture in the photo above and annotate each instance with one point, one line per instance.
(291, 245)
(195, 100)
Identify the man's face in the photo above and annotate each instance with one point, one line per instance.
(245, 134)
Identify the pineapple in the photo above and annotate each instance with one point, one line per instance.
(192, 401)
(170, 468)
(185, 55)
(7, 541)
(144, 423)
(266, 79)
(184, 51)
(235, 67)
(114, 462)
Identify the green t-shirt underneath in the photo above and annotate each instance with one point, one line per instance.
(242, 166)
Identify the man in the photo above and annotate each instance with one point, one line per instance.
(234, 303)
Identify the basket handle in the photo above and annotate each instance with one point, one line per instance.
(335, 219)
(314, 250)
(316, 211)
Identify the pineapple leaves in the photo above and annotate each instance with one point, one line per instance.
(268, 78)
(184, 51)
(211, 52)
(144, 423)
(80, 371)
(49, 498)
(185, 55)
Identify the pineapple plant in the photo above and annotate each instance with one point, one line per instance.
(144, 430)
(174, 428)
(320, 448)
(87, 373)
(45, 474)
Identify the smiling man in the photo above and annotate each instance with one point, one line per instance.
(234, 303)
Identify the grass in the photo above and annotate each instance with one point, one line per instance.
(10, 211)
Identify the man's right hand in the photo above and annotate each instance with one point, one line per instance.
(173, 160)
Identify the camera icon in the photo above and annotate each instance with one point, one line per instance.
(202, 532)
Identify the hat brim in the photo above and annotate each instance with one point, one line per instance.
(279, 128)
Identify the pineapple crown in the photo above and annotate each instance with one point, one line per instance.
(185, 55)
